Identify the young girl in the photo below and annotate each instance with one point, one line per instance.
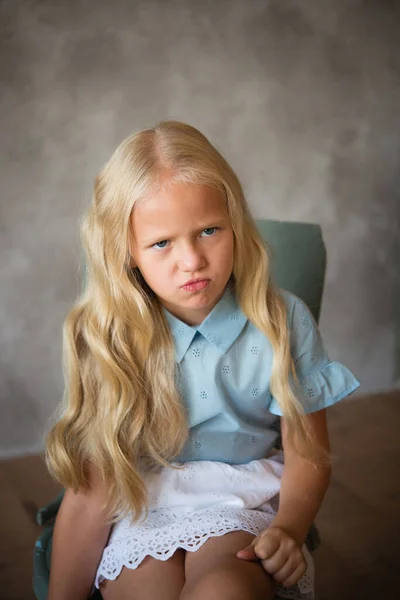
(183, 364)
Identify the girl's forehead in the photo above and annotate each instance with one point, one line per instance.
(181, 208)
(168, 185)
(180, 198)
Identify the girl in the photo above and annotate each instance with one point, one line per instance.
(183, 363)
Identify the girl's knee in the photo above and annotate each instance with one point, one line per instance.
(213, 591)
(224, 582)
(145, 582)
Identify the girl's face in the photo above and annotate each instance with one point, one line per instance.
(183, 246)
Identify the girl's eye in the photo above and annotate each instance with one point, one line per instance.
(209, 231)
(160, 245)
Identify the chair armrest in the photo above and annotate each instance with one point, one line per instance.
(48, 513)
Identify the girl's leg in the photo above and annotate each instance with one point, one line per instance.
(153, 579)
(214, 572)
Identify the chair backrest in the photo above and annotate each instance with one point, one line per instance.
(298, 259)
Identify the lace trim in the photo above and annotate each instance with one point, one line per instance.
(164, 532)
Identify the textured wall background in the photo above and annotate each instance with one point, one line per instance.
(301, 96)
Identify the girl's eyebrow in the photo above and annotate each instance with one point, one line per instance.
(163, 235)
(155, 238)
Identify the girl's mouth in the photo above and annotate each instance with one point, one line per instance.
(195, 285)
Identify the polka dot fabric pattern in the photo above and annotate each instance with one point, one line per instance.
(322, 382)
(224, 370)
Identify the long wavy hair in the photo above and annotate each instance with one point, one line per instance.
(121, 410)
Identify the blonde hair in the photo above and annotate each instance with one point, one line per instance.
(122, 410)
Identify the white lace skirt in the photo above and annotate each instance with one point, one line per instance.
(201, 500)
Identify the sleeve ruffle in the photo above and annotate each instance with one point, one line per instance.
(322, 388)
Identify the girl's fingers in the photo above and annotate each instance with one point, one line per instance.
(248, 553)
(296, 574)
(266, 546)
(280, 556)
(276, 562)
(287, 569)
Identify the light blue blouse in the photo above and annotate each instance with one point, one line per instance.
(224, 368)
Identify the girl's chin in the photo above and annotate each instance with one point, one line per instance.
(201, 299)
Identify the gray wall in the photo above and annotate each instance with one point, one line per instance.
(301, 96)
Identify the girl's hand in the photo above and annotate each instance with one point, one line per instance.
(279, 554)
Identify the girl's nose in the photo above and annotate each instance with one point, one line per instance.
(191, 259)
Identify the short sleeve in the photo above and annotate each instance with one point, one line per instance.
(322, 382)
